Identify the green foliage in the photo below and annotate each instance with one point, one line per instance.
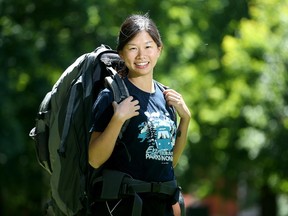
(227, 58)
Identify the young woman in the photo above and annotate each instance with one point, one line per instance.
(153, 141)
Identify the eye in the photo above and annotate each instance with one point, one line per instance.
(132, 49)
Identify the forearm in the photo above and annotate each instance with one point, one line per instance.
(181, 139)
(102, 144)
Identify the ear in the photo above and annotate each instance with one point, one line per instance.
(159, 50)
(120, 53)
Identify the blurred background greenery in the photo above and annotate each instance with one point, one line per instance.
(228, 58)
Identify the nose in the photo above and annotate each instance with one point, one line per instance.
(141, 53)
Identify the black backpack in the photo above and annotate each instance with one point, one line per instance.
(63, 122)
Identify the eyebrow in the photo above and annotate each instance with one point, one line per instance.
(148, 42)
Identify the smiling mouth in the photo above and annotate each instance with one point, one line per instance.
(142, 64)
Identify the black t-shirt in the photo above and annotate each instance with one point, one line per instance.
(146, 148)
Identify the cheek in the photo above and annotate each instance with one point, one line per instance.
(127, 61)
(127, 57)
(156, 57)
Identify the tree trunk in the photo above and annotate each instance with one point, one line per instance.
(268, 202)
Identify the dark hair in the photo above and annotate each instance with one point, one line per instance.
(133, 25)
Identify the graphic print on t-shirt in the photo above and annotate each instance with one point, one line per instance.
(159, 133)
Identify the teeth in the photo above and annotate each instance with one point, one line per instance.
(141, 64)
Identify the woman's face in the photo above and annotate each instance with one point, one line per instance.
(140, 55)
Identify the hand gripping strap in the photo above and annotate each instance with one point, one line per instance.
(120, 92)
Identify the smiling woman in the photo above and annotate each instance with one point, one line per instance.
(140, 56)
(152, 142)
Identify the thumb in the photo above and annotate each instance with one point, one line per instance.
(114, 104)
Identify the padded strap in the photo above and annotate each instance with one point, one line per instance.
(163, 88)
(120, 92)
(137, 205)
(116, 83)
(112, 181)
(111, 187)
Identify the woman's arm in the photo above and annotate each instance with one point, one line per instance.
(173, 98)
(181, 139)
(102, 143)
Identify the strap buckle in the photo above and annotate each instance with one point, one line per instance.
(155, 187)
(125, 189)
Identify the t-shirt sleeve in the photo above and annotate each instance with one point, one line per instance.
(102, 111)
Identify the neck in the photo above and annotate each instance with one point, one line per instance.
(143, 84)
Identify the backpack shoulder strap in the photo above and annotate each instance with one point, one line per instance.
(163, 88)
(116, 83)
(120, 92)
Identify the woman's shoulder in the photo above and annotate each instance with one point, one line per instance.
(104, 96)
(160, 85)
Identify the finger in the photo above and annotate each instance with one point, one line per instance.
(135, 102)
(171, 91)
(130, 98)
(114, 104)
(137, 107)
(173, 97)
